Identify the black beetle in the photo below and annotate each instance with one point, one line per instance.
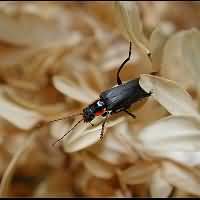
(118, 98)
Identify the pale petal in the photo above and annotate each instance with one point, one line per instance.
(21, 54)
(97, 167)
(115, 55)
(190, 53)
(59, 128)
(118, 52)
(84, 138)
(159, 187)
(19, 116)
(157, 41)
(128, 16)
(108, 154)
(139, 173)
(172, 134)
(186, 158)
(174, 98)
(116, 147)
(180, 58)
(71, 90)
(182, 178)
(86, 87)
(22, 27)
(120, 141)
(47, 109)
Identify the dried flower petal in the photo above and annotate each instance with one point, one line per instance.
(180, 58)
(159, 187)
(182, 178)
(97, 167)
(157, 42)
(130, 21)
(174, 98)
(116, 148)
(172, 134)
(70, 89)
(139, 173)
(20, 117)
(20, 27)
(190, 53)
(191, 159)
(175, 138)
(84, 138)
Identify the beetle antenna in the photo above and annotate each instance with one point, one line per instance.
(67, 132)
(119, 82)
(73, 115)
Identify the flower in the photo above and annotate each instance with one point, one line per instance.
(58, 58)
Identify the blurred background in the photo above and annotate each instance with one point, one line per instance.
(56, 57)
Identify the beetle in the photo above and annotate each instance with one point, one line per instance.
(114, 100)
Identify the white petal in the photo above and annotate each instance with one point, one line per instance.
(84, 138)
(181, 58)
(157, 41)
(191, 159)
(190, 53)
(159, 187)
(33, 28)
(172, 134)
(116, 147)
(182, 178)
(71, 90)
(20, 117)
(174, 98)
(97, 167)
(140, 173)
(19, 55)
(129, 18)
(108, 154)
(115, 55)
(59, 128)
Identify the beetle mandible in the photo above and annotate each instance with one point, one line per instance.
(116, 99)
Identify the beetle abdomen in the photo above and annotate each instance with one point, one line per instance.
(122, 96)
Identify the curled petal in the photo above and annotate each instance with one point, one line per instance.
(174, 98)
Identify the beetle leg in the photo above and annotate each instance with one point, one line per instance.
(132, 115)
(103, 125)
(119, 82)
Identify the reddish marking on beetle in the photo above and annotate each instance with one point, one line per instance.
(100, 112)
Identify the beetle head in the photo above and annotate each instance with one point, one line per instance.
(91, 111)
(88, 114)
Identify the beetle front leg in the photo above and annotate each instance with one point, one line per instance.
(106, 114)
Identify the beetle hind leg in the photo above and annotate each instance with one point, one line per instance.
(132, 115)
